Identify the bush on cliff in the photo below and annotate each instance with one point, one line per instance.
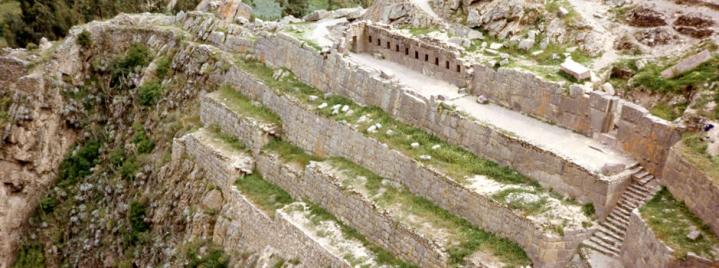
(149, 93)
(79, 163)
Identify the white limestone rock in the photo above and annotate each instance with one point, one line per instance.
(575, 69)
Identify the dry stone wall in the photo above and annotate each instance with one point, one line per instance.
(352, 208)
(432, 60)
(527, 93)
(337, 75)
(326, 137)
(691, 184)
(593, 114)
(643, 249)
(253, 133)
(243, 227)
(645, 137)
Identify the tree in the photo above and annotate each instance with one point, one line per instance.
(297, 8)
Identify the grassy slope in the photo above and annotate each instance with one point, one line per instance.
(671, 221)
(7, 7)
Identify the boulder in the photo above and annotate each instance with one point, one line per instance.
(526, 44)
(576, 70)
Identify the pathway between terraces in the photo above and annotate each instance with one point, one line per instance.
(579, 149)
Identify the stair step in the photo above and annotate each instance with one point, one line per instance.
(600, 249)
(608, 239)
(646, 179)
(634, 165)
(639, 192)
(630, 202)
(618, 221)
(641, 174)
(611, 233)
(609, 247)
(616, 230)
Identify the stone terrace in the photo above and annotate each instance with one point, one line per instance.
(551, 166)
(294, 228)
(302, 125)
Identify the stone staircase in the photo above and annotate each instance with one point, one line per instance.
(609, 239)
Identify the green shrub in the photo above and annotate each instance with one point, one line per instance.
(215, 258)
(136, 56)
(30, 256)
(129, 168)
(141, 140)
(138, 225)
(78, 164)
(163, 67)
(149, 93)
(48, 204)
(84, 39)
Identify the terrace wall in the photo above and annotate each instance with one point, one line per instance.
(334, 74)
(694, 186)
(243, 227)
(643, 249)
(352, 208)
(326, 137)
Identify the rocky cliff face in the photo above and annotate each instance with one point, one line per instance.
(87, 178)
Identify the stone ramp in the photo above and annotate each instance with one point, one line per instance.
(293, 230)
(609, 239)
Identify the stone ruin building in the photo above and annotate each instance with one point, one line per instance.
(345, 139)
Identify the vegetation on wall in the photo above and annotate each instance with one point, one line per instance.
(53, 18)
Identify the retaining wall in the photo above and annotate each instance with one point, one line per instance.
(243, 227)
(253, 133)
(433, 60)
(336, 75)
(643, 249)
(352, 208)
(645, 137)
(326, 137)
(689, 183)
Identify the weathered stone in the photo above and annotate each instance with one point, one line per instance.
(576, 70)
(687, 64)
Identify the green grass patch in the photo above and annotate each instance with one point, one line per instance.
(470, 239)
(665, 111)
(421, 31)
(228, 139)
(266, 9)
(240, 104)
(650, 77)
(694, 149)
(290, 153)
(671, 221)
(265, 195)
(299, 33)
(5, 103)
(30, 256)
